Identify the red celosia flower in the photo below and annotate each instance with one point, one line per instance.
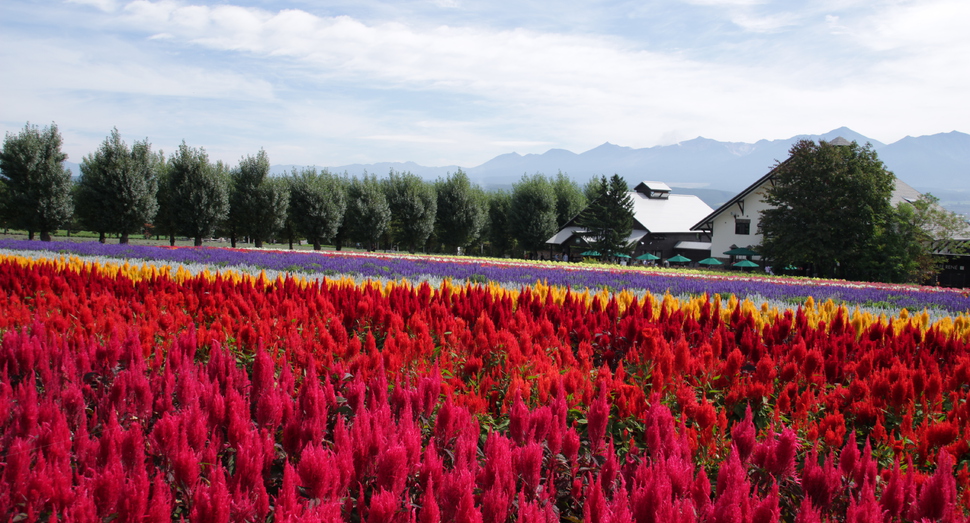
(937, 497)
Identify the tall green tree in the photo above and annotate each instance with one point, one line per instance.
(828, 203)
(414, 206)
(257, 202)
(118, 186)
(608, 219)
(925, 232)
(368, 214)
(594, 187)
(166, 219)
(570, 199)
(895, 253)
(197, 193)
(461, 211)
(317, 204)
(37, 194)
(533, 212)
(498, 226)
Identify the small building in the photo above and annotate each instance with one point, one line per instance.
(661, 225)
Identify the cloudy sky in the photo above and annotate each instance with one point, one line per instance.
(457, 82)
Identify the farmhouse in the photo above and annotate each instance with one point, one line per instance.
(661, 225)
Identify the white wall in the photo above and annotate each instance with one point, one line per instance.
(723, 236)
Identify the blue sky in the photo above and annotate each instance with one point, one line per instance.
(457, 82)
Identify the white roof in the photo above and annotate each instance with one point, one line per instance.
(675, 213)
(635, 236)
(565, 234)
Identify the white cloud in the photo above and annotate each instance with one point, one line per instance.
(47, 66)
(939, 24)
(764, 23)
(520, 143)
(722, 3)
(600, 85)
(408, 138)
(455, 91)
(104, 5)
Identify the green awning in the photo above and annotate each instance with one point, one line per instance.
(745, 264)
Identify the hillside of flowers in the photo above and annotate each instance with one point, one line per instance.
(143, 392)
(788, 292)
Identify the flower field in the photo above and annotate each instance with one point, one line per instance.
(141, 392)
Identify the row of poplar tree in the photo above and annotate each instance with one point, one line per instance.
(124, 190)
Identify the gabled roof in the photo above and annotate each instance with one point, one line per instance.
(707, 222)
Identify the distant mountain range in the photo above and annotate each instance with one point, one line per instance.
(715, 171)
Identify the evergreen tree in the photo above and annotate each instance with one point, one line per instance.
(533, 212)
(197, 193)
(828, 205)
(608, 220)
(37, 195)
(413, 205)
(461, 211)
(117, 189)
(317, 204)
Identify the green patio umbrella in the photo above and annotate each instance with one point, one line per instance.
(710, 261)
(591, 253)
(648, 257)
(740, 251)
(745, 264)
(621, 255)
(679, 259)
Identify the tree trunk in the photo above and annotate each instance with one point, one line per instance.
(45, 236)
(123, 239)
(198, 241)
(232, 240)
(30, 234)
(316, 245)
(171, 240)
(101, 237)
(258, 243)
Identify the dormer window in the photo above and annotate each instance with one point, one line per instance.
(653, 190)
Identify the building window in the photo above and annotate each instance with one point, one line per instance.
(742, 226)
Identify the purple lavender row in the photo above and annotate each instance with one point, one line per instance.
(394, 267)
